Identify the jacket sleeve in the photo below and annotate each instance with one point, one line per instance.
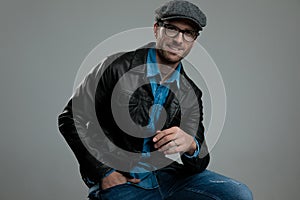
(193, 121)
(76, 124)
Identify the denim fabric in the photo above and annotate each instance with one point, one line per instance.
(207, 185)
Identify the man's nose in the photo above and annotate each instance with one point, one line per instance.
(179, 38)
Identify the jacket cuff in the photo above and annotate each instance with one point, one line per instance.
(109, 172)
(196, 153)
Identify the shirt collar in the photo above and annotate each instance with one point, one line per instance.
(152, 68)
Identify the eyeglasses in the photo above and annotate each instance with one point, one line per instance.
(172, 31)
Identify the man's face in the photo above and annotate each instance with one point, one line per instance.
(171, 50)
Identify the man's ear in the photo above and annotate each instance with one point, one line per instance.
(155, 29)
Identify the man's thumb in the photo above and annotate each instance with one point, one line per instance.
(133, 180)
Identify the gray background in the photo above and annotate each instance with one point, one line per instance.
(254, 43)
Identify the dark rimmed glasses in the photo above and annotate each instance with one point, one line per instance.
(173, 31)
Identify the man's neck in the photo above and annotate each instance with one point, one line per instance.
(165, 68)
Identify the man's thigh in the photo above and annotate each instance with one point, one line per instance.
(127, 192)
(208, 185)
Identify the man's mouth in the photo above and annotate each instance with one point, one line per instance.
(174, 49)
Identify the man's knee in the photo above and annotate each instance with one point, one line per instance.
(242, 192)
(223, 187)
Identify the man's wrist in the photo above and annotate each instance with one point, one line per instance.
(109, 172)
(193, 153)
(192, 149)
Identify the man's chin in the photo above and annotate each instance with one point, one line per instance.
(172, 57)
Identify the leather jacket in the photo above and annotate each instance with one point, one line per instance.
(89, 125)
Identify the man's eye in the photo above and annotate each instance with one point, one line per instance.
(190, 33)
(173, 28)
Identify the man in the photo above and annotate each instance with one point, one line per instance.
(137, 110)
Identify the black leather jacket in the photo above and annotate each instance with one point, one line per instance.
(90, 129)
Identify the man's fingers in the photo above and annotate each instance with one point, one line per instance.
(161, 134)
(164, 141)
(167, 146)
(172, 150)
(133, 180)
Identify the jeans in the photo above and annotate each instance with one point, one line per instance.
(207, 185)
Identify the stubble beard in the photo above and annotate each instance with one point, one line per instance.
(165, 57)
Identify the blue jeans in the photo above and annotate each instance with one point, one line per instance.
(207, 185)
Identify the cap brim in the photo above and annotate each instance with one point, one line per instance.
(183, 17)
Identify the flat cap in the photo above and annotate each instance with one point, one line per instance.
(179, 9)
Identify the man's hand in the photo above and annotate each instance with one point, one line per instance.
(174, 140)
(116, 178)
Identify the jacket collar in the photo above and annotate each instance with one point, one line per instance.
(140, 59)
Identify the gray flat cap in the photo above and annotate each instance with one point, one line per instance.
(179, 9)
